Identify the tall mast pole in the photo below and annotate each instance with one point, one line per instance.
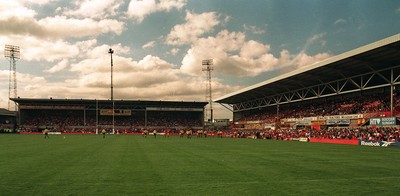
(13, 53)
(110, 51)
(207, 67)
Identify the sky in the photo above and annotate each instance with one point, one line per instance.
(159, 44)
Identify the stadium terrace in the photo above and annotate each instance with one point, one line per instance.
(90, 116)
(359, 88)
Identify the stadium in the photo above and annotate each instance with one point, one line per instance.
(88, 116)
(350, 101)
(334, 97)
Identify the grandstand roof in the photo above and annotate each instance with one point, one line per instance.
(5, 112)
(118, 103)
(375, 56)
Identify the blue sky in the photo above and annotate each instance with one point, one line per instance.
(159, 44)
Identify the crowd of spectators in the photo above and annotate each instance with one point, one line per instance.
(173, 121)
(76, 122)
(390, 134)
(359, 104)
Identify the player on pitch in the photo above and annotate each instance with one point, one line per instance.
(104, 133)
(46, 133)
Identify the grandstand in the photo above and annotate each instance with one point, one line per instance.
(7, 120)
(83, 115)
(358, 87)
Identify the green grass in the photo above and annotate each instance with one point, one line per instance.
(132, 165)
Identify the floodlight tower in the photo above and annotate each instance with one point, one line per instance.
(207, 67)
(111, 51)
(13, 53)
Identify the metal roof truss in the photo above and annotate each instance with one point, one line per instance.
(369, 80)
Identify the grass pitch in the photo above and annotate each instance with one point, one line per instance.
(132, 165)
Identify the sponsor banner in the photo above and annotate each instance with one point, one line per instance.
(338, 122)
(287, 120)
(378, 143)
(335, 141)
(248, 122)
(318, 122)
(348, 116)
(269, 126)
(116, 112)
(254, 122)
(377, 114)
(299, 119)
(383, 121)
(303, 123)
(303, 139)
(317, 118)
(292, 124)
(253, 126)
(54, 133)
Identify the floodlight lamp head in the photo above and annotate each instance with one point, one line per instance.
(207, 65)
(11, 51)
(110, 51)
(207, 62)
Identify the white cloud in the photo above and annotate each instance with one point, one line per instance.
(226, 20)
(174, 51)
(340, 21)
(295, 61)
(217, 47)
(254, 29)
(60, 26)
(151, 62)
(39, 2)
(29, 86)
(238, 66)
(303, 59)
(252, 49)
(14, 9)
(150, 78)
(102, 50)
(195, 26)
(318, 38)
(95, 8)
(139, 9)
(15, 19)
(315, 38)
(168, 5)
(58, 67)
(149, 44)
(35, 49)
(235, 56)
(85, 47)
(4, 74)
